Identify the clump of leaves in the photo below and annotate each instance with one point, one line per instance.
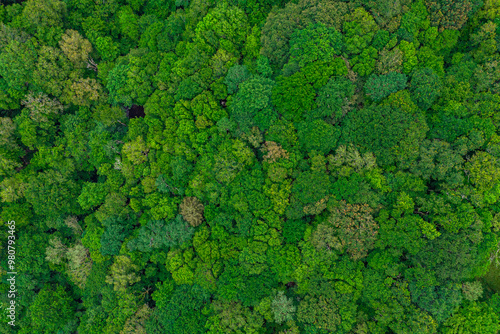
(192, 210)
(472, 290)
(282, 308)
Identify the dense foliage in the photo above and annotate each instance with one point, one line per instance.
(260, 166)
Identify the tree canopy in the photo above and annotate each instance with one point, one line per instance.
(257, 166)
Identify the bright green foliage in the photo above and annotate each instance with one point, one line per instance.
(117, 79)
(93, 194)
(483, 171)
(293, 96)
(224, 27)
(364, 63)
(130, 81)
(52, 311)
(379, 87)
(128, 23)
(107, 48)
(409, 56)
(305, 166)
(473, 317)
(359, 29)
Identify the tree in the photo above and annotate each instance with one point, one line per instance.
(136, 323)
(53, 194)
(150, 236)
(157, 234)
(379, 87)
(37, 122)
(235, 76)
(282, 23)
(123, 272)
(131, 80)
(44, 13)
(233, 317)
(252, 104)
(359, 29)
(82, 92)
(473, 317)
(116, 230)
(390, 133)
(440, 301)
(385, 12)
(263, 67)
(364, 63)
(128, 23)
(10, 152)
(327, 309)
(334, 99)
(107, 48)
(51, 71)
(17, 63)
(79, 264)
(136, 151)
(455, 257)
(75, 47)
(52, 310)
(410, 59)
(472, 290)
(316, 42)
(192, 210)
(318, 136)
(224, 27)
(56, 251)
(390, 61)
(447, 14)
(180, 311)
(350, 228)
(425, 87)
(483, 171)
(309, 188)
(294, 96)
(282, 308)
(413, 21)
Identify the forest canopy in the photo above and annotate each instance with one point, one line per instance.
(258, 166)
